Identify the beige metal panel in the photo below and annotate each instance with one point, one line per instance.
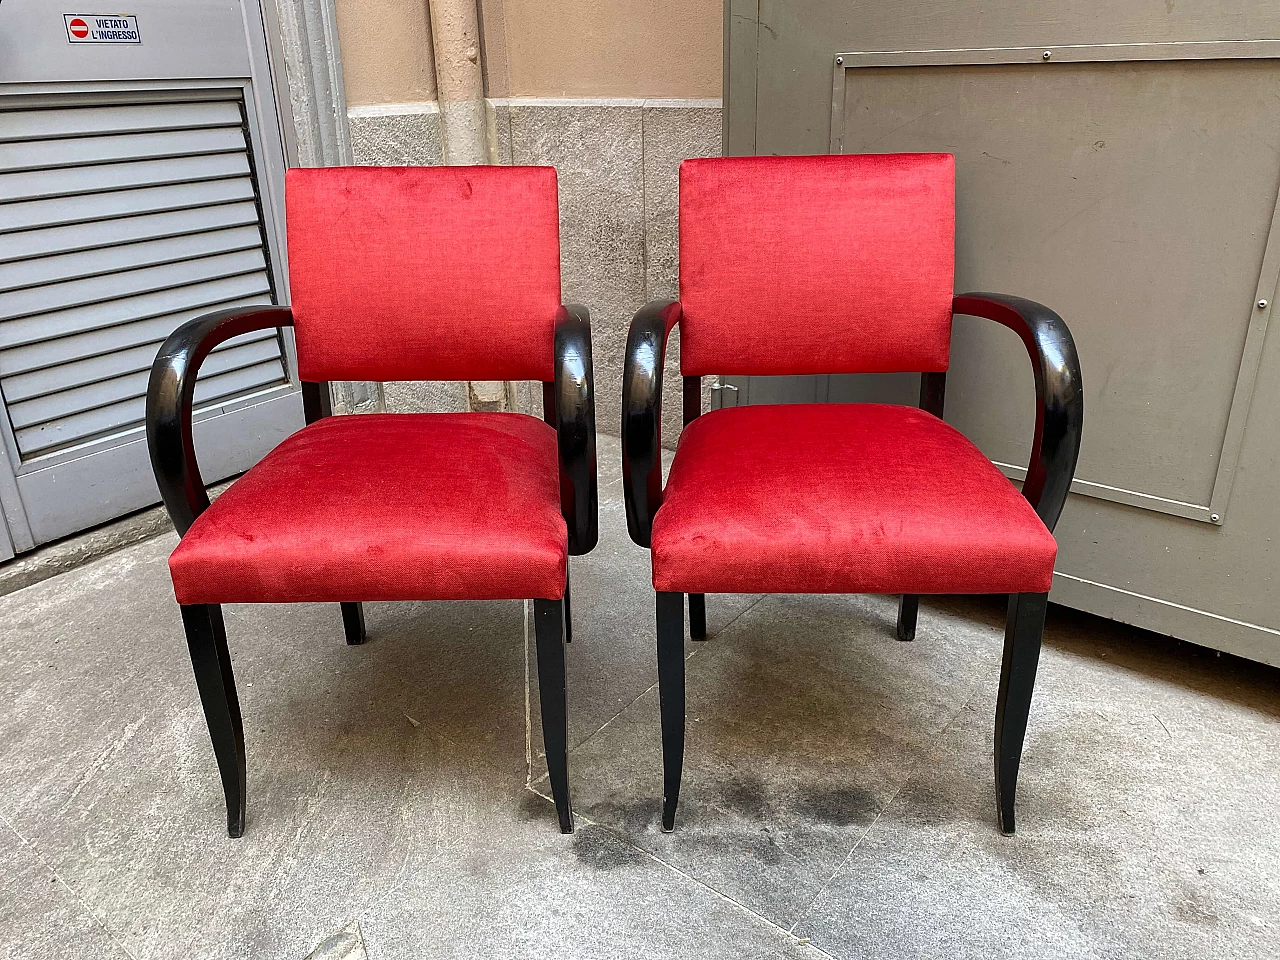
(1137, 199)
(799, 38)
(741, 36)
(1088, 208)
(1156, 254)
(1212, 585)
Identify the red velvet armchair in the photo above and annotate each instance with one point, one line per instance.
(837, 264)
(396, 274)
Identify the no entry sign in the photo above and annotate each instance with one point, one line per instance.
(102, 28)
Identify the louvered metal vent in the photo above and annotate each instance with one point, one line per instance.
(117, 223)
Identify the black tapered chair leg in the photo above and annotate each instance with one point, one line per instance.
(698, 616)
(207, 642)
(568, 613)
(548, 628)
(908, 611)
(671, 700)
(1023, 631)
(353, 622)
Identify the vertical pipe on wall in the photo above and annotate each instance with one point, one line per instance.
(455, 34)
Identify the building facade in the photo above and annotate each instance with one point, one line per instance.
(613, 94)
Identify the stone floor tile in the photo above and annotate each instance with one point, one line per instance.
(805, 717)
(1144, 826)
(41, 916)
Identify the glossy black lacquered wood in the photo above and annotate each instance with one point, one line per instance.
(549, 415)
(908, 612)
(211, 661)
(548, 627)
(692, 400)
(568, 610)
(933, 392)
(353, 622)
(670, 609)
(575, 423)
(697, 616)
(169, 398)
(549, 403)
(1024, 629)
(317, 401)
(1055, 447)
(170, 394)
(642, 415)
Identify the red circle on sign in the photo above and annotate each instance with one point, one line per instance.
(79, 28)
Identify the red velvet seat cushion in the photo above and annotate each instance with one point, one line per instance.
(842, 498)
(386, 507)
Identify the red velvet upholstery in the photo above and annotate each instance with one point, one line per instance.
(842, 498)
(831, 264)
(424, 273)
(386, 507)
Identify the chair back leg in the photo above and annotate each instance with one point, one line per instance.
(568, 610)
(1023, 631)
(671, 700)
(353, 622)
(548, 628)
(698, 616)
(207, 642)
(908, 611)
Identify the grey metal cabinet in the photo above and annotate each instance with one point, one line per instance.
(1119, 162)
(140, 185)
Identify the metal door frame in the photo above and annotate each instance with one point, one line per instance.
(1268, 278)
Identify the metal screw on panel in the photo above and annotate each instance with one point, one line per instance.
(839, 60)
(1047, 54)
(1262, 304)
(1214, 517)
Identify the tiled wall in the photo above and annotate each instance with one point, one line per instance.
(617, 162)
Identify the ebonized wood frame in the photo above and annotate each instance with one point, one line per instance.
(569, 406)
(1054, 453)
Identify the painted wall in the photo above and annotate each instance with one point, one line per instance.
(386, 51)
(604, 48)
(540, 48)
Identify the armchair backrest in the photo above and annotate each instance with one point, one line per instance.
(423, 273)
(827, 264)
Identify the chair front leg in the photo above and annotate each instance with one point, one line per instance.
(671, 700)
(548, 628)
(1023, 631)
(207, 642)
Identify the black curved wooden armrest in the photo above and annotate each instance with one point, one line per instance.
(169, 397)
(1059, 396)
(642, 415)
(575, 423)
